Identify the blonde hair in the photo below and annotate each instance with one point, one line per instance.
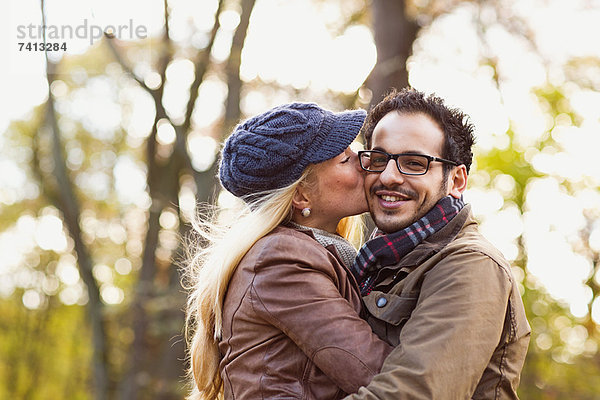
(213, 256)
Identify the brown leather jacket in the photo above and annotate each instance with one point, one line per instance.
(454, 312)
(291, 325)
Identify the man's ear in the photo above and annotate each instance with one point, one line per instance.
(457, 181)
(301, 198)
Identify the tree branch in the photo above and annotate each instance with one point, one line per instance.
(200, 66)
(182, 131)
(110, 41)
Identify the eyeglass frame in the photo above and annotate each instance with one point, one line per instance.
(395, 158)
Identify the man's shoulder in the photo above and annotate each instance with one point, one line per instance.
(470, 240)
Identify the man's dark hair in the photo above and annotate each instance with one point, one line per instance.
(458, 130)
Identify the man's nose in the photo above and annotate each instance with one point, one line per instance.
(391, 175)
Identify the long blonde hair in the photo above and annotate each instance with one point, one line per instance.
(214, 254)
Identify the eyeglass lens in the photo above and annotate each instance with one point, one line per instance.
(412, 164)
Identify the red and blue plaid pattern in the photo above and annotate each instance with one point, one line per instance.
(388, 249)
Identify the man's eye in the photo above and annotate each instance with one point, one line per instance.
(378, 159)
(414, 164)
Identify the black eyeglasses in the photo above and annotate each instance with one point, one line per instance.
(407, 163)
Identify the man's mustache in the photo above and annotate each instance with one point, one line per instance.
(403, 191)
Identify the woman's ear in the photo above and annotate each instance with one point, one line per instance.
(301, 198)
(457, 181)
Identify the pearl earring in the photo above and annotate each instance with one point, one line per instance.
(305, 212)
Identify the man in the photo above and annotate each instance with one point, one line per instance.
(433, 286)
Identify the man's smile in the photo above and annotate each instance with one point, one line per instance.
(392, 198)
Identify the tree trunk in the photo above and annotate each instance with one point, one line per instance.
(234, 82)
(394, 35)
(67, 203)
(160, 365)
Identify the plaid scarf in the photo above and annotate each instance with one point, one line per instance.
(388, 249)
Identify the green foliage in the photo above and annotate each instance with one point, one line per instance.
(44, 353)
(550, 371)
(563, 360)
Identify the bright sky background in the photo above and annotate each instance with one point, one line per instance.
(290, 42)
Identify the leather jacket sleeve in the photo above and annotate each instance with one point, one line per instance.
(300, 294)
(451, 334)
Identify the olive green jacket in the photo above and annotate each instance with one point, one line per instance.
(454, 312)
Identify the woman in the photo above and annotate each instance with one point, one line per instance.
(273, 308)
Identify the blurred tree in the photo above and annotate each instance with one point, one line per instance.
(150, 329)
(167, 169)
(118, 262)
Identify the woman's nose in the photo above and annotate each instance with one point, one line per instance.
(354, 160)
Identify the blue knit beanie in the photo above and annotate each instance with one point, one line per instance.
(272, 150)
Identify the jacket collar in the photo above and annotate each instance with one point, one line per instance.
(331, 248)
(434, 243)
